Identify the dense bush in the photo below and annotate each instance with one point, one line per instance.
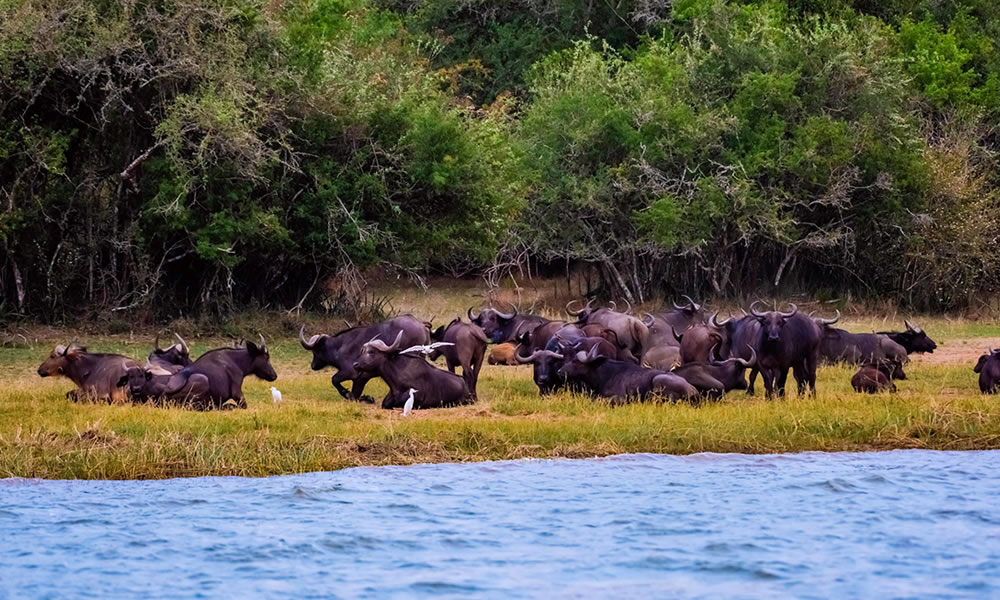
(201, 155)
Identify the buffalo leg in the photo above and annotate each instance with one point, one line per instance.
(768, 378)
(781, 380)
(751, 380)
(477, 365)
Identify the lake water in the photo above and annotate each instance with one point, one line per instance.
(903, 524)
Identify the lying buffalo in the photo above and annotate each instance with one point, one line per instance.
(787, 340)
(149, 384)
(404, 369)
(875, 377)
(503, 354)
(913, 340)
(505, 327)
(841, 346)
(171, 359)
(466, 346)
(538, 338)
(596, 330)
(96, 375)
(623, 381)
(217, 376)
(988, 368)
(342, 350)
(715, 378)
(547, 362)
(698, 342)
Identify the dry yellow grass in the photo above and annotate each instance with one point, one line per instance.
(44, 435)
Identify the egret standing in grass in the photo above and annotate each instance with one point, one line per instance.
(408, 405)
(275, 396)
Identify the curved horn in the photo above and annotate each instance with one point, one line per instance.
(674, 331)
(651, 322)
(526, 359)
(718, 324)
(507, 316)
(677, 306)
(468, 313)
(591, 356)
(570, 311)
(60, 350)
(829, 321)
(694, 306)
(184, 347)
(156, 342)
(754, 311)
(398, 340)
(795, 309)
(614, 305)
(628, 310)
(308, 345)
(263, 344)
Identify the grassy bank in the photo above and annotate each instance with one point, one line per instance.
(44, 435)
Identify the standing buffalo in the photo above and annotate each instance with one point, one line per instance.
(503, 354)
(505, 327)
(988, 368)
(466, 348)
(683, 317)
(96, 375)
(342, 350)
(404, 371)
(787, 340)
(623, 381)
(875, 377)
(914, 340)
(631, 332)
(840, 346)
(217, 376)
(172, 359)
(715, 378)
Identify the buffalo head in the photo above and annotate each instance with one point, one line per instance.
(177, 354)
(772, 322)
(59, 359)
(493, 322)
(374, 353)
(260, 360)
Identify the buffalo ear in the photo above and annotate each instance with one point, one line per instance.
(148, 374)
(252, 348)
(437, 333)
(122, 381)
(981, 363)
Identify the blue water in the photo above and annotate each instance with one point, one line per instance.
(903, 524)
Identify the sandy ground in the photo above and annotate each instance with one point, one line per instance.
(961, 351)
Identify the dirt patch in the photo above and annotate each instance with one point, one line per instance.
(962, 351)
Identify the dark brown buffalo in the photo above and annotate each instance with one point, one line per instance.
(873, 378)
(740, 337)
(342, 350)
(224, 370)
(503, 354)
(505, 327)
(96, 375)
(913, 340)
(149, 384)
(841, 346)
(547, 361)
(538, 338)
(698, 342)
(172, 359)
(597, 330)
(714, 378)
(468, 346)
(988, 368)
(404, 371)
(623, 381)
(632, 333)
(787, 340)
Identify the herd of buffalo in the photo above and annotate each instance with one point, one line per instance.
(681, 354)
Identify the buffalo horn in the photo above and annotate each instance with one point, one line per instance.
(614, 305)
(308, 345)
(829, 321)
(628, 310)
(650, 322)
(674, 331)
(745, 362)
(469, 314)
(263, 344)
(754, 311)
(156, 342)
(719, 324)
(692, 305)
(184, 346)
(61, 350)
(795, 309)
(507, 316)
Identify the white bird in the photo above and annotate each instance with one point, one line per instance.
(408, 405)
(276, 396)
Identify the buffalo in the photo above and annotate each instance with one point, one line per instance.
(538, 338)
(875, 377)
(96, 375)
(466, 346)
(149, 383)
(632, 333)
(503, 354)
(698, 342)
(172, 359)
(342, 350)
(988, 368)
(505, 327)
(715, 378)
(682, 317)
(547, 362)
(787, 340)
(913, 340)
(217, 376)
(597, 330)
(623, 381)
(840, 346)
(404, 370)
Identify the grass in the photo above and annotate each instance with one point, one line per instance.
(44, 435)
